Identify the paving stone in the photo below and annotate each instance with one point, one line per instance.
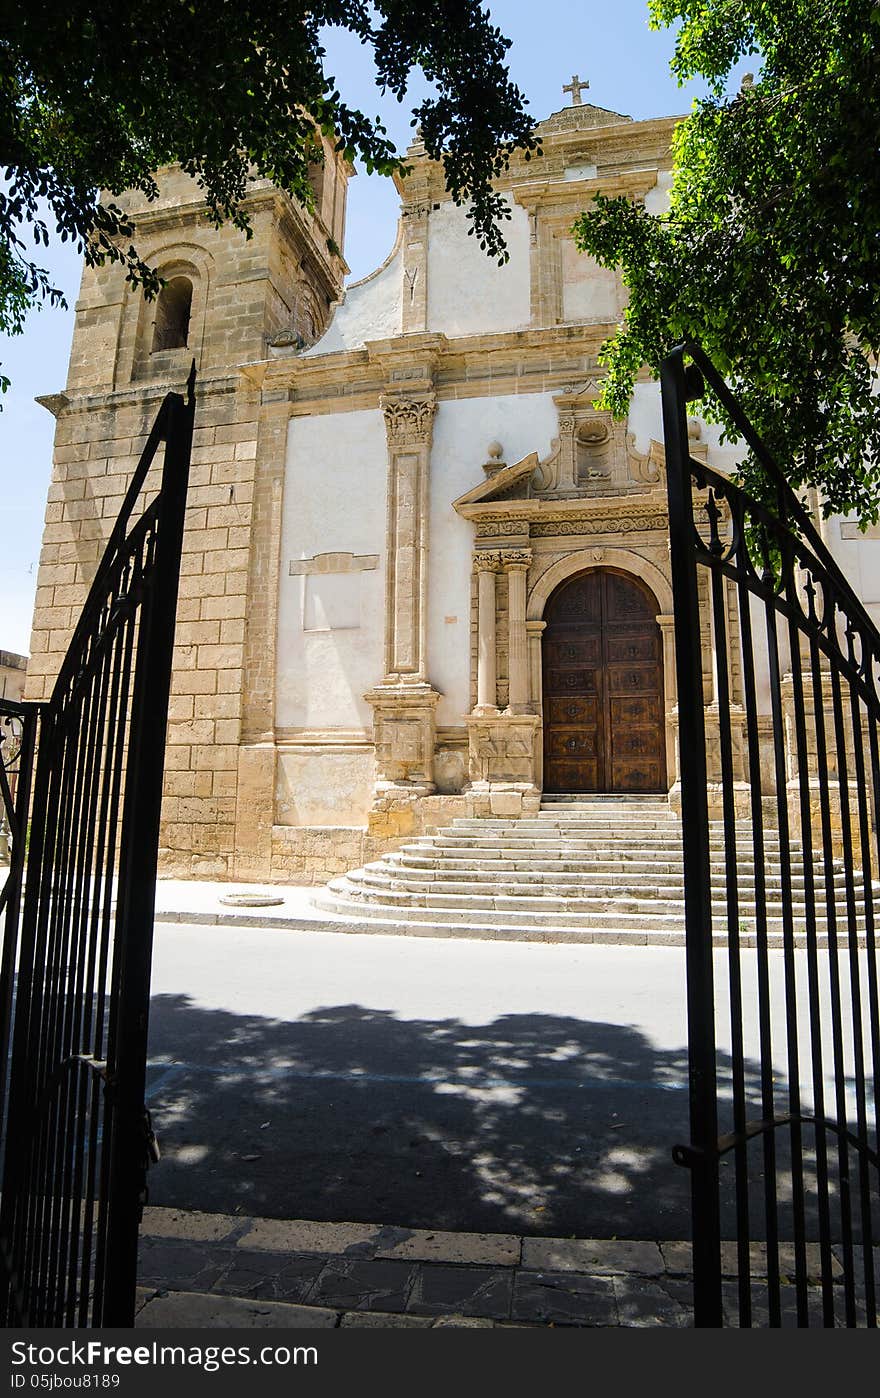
(760, 1308)
(142, 1295)
(299, 1235)
(564, 1298)
(421, 1245)
(758, 1260)
(592, 1255)
(378, 1285)
(442, 1288)
(645, 1302)
(859, 1263)
(462, 1322)
(271, 1276)
(678, 1257)
(384, 1320)
(181, 1310)
(189, 1266)
(198, 1227)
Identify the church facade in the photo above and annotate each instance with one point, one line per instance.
(423, 575)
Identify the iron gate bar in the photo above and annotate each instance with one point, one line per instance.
(697, 882)
(768, 568)
(74, 1171)
(10, 895)
(771, 1221)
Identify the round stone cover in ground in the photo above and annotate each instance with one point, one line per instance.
(251, 900)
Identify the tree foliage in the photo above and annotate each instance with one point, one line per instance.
(97, 97)
(770, 253)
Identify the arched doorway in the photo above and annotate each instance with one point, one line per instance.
(603, 686)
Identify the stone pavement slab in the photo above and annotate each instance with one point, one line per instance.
(564, 1298)
(473, 1291)
(592, 1255)
(203, 1269)
(181, 1310)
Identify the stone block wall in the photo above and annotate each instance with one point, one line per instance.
(95, 454)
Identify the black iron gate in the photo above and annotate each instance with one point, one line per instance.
(778, 669)
(78, 934)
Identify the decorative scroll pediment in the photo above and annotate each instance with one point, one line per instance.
(593, 461)
(507, 483)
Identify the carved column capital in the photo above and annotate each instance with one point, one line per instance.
(487, 561)
(409, 422)
(512, 559)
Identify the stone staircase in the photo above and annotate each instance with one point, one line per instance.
(584, 869)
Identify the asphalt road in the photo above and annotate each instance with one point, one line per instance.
(483, 1086)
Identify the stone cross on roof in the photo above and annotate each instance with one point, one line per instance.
(575, 87)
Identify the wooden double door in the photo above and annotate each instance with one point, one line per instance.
(604, 724)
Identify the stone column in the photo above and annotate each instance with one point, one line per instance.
(409, 427)
(486, 566)
(403, 702)
(534, 632)
(666, 622)
(516, 565)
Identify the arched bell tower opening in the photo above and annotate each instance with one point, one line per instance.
(603, 701)
(173, 311)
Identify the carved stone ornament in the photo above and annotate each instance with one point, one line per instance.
(409, 421)
(516, 558)
(487, 560)
(614, 524)
(502, 749)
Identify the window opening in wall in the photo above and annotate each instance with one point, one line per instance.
(171, 326)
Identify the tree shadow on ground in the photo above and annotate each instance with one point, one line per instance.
(533, 1123)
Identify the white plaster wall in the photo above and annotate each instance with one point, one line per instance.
(371, 309)
(463, 429)
(858, 556)
(646, 423)
(468, 293)
(657, 199)
(334, 501)
(645, 416)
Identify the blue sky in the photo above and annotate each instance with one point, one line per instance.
(610, 45)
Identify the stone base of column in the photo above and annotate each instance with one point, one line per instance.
(501, 764)
(394, 811)
(404, 731)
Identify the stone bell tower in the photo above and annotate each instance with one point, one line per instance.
(227, 300)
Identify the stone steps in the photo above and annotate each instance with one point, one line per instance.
(551, 885)
(606, 869)
(541, 906)
(612, 863)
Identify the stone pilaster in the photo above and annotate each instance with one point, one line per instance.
(409, 427)
(486, 565)
(404, 702)
(414, 216)
(515, 563)
(502, 746)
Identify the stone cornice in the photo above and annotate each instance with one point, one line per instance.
(549, 359)
(264, 197)
(145, 392)
(612, 145)
(568, 199)
(643, 508)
